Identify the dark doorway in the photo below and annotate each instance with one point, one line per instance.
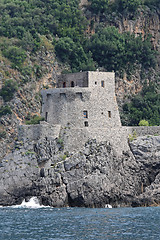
(64, 84)
(72, 84)
(46, 116)
(86, 124)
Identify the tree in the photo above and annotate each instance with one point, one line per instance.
(15, 54)
(8, 90)
(99, 6)
(143, 123)
(73, 53)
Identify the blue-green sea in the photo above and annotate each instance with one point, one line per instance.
(46, 223)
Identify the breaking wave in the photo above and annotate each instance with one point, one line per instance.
(32, 203)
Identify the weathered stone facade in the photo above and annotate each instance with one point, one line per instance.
(82, 100)
(83, 107)
(76, 165)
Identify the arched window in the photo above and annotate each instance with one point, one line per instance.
(72, 84)
(64, 84)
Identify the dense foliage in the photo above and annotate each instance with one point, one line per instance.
(5, 110)
(74, 54)
(21, 17)
(34, 120)
(129, 7)
(116, 51)
(26, 24)
(8, 90)
(143, 106)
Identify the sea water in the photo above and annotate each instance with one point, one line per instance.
(30, 221)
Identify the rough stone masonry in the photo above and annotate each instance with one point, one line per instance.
(81, 155)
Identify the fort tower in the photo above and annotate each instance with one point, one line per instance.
(82, 100)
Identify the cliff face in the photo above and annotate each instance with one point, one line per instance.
(145, 23)
(95, 176)
(92, 177)
(27, 100)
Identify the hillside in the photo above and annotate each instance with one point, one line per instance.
(39, 40)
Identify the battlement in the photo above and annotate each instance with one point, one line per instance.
(87, 79)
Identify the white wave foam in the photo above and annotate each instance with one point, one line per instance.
(32, 203)
(108, 206)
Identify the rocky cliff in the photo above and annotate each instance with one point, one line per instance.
(92, 177)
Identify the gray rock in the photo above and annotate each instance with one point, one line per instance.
(92, 177)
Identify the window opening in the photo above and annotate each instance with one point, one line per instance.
(95, 83)
(46, 116)
(79, 95)
(86, 124)
(42, 173)
(85, 114)
(64, 84)
(48, 96)
(102, 83)
(62, 95)
(109, 114)
(72, 84)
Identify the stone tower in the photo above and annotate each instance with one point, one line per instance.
(82, 100)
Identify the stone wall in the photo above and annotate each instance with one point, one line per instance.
(144, 131)
(94, 106)
(75, 139)
(37, 131)
(79, 79)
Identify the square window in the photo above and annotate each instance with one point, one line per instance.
(102, 83)
(85, 114)
(62, 95)
(109, 114)
(86, 124)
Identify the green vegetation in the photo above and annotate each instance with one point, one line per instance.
(116, 51)
(129, 7)
(34, 120)
(152, 3)
(8, 90)
(63, 157)
(5, 110)
(73, 53)
(104, 7)
(99, 6)
(16, 55)
(145, 105)
(133, 136)
(32, 22)
(29, 153)
(24, 19)
(2, 134)
(143, 122)
(28, 25)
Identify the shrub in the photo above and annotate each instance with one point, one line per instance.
(73, 53)
(15, 54)
(8, 90)
(133, 136)
(35, 120)
(118, 51)
(5, 110)
(145, 105)
(63, 157)
(143, 123)
(2, 134)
